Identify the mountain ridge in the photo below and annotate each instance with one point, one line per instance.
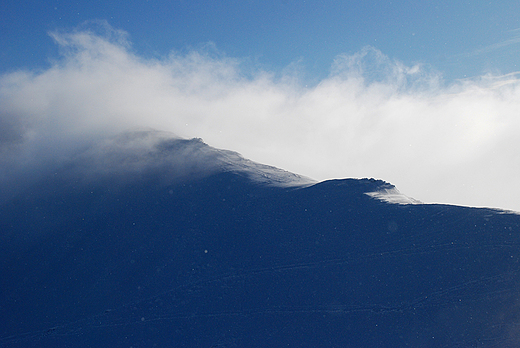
(142, 253)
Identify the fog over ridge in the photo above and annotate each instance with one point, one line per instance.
(372, 117)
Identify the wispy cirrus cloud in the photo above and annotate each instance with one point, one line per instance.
(372, 117)
(514, 39)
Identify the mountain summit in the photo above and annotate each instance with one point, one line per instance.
(148, 151)
(149, 240)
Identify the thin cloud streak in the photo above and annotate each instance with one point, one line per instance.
(372, 117)
(514, 40)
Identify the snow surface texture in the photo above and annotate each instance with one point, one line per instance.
(388, 193)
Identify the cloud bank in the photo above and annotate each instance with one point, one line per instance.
(372, 117)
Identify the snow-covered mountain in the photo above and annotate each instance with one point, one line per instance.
(143, 152)
(150, 240)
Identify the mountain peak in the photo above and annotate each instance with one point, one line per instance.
(121, 244)
(134, 153)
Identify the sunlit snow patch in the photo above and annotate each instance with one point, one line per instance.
(388, 193)
(261, 173)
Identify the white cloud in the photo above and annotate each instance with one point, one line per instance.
(372, 117)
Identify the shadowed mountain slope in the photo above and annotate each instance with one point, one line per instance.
(148, 240)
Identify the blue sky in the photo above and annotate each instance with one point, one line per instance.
(424, 95)
(458, 38)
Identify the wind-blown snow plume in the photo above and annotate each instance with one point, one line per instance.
(372, 117)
